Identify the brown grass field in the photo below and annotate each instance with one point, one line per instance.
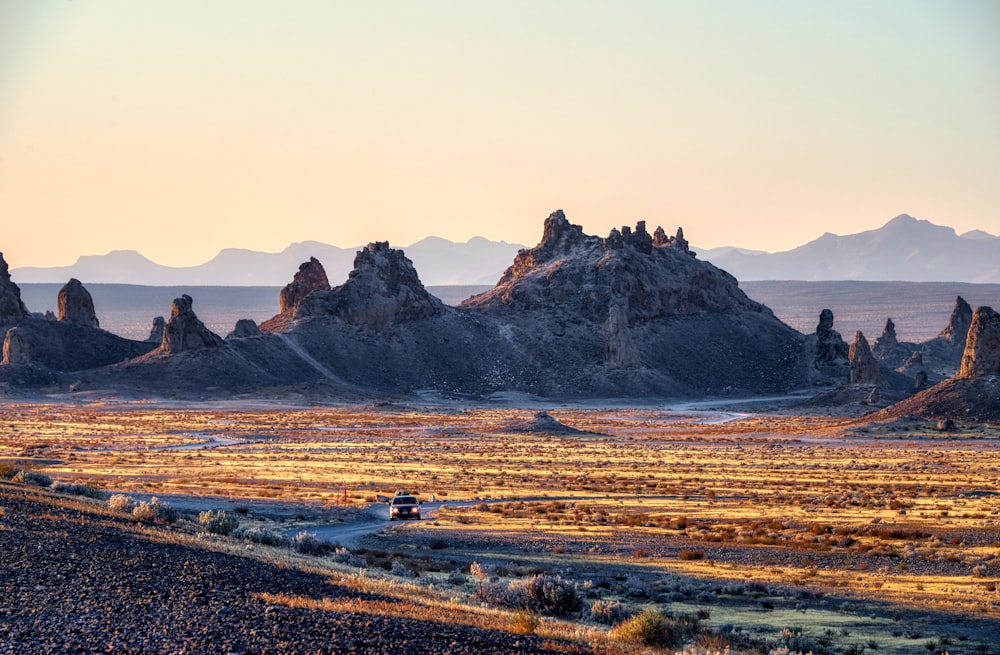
(872, 537)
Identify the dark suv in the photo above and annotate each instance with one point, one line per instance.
(404, 506)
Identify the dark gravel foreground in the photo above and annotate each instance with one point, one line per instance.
(72, 581)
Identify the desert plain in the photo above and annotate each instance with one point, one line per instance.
(753, 526)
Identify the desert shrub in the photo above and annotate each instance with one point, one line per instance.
(607, 612)
(259, 535)
(308, 543)
(155, 511)
(7, 471)
(649, 627)
(541, 593)
(481, 571)
(121, 503)
(524, 622)
(795, 642)
(33, 478)
(74, 489)
(689, 555)
(220, 522)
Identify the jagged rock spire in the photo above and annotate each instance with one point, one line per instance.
(184, 331)
(76, 305)
(12, 309)
(310, 277)
(864, 367)
(959, 322)
(982, 348)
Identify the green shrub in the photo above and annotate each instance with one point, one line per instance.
(260, 535)
(155, 511)
(220, 522)
(121, 503)
(74, 489)
(33, 478)
(649, 627)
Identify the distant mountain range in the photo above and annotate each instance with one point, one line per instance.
(905, 249)
(438, 262)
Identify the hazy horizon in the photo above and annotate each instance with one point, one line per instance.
(179, 128)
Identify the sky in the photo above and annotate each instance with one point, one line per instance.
(181, 127)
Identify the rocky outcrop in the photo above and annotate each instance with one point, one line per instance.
(16, 350)
(310, 277)
(982, 348)
(12, 309)
(864, 366)
(76, 306)
(959, 323)
(245, 329)
(382, 290)
(184, 331)
(827, 352)
(619, 350)
(890, 351)
(156, 332)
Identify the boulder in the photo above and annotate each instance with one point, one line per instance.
(76, 306)
(245, 329)
(12, 309)
(982, 348)
(864, 366)
(184, 331)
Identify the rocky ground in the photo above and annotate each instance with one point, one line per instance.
(80, 581)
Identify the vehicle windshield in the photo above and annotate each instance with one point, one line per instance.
(404, 500)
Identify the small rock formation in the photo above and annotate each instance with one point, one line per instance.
(544, 423)
(12, 309)
(184, 331)
(310, 277)
(15, 348)
(827, 351)
(619, 350)
(76, 306)
(156, 332)
(959, 323)
(946, 425)
(382, 290)
(245, 329)
(888, 341)
(864, 366)
(982, 348)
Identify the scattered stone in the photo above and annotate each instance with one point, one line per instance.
(76, 305)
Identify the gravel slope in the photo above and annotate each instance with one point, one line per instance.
(81, 582)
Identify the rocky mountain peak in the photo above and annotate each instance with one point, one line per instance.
(310, 277)
(12, 309)
(864, 367)
(184, 331)
(982, 348)
(76, 305)
(957, 329)
(383, 289)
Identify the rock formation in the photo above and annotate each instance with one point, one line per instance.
(76, 306)
(382, 290)
(827, 352)
(864, 366)
(245, 329)
(16, 350)
(156, 332)
(982, 348)
(619, 350)
(184, 331)
(12, 309)
(310, 277)
(959, 323)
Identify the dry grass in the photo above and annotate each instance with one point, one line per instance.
(765, 500)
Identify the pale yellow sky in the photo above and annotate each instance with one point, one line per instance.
(179, 128)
